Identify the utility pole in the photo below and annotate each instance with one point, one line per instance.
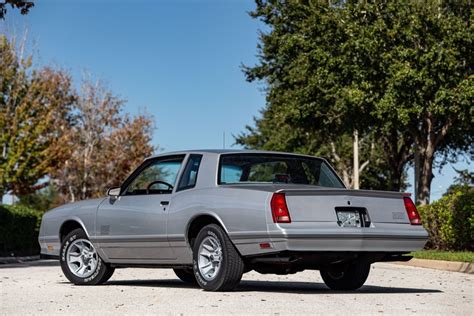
(355, 180)
(223, 140)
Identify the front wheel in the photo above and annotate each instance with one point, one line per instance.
(216, 263)
(80, 261)
(347, 278)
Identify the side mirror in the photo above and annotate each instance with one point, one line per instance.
(113, 192)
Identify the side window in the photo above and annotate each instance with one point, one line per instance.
(157, 178)
(189, 177)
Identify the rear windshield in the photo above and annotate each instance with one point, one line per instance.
(275, 168)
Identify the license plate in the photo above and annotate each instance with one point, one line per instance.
(348, 218)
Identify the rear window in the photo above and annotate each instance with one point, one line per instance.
(269, 168)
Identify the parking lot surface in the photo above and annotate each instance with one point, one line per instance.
(41, 288)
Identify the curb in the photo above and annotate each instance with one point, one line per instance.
(453, 266)
(7, 260)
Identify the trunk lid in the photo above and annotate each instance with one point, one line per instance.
(319, 205)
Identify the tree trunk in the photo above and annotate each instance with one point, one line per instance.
(425, 150)
(1, 197)
(425, 177)
(417, 173)
(72, 196)
(395, 180)
(424, 156)
(355, 180)
(397, 151)
(431, 135)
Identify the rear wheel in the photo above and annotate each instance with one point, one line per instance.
(185, 275)
(80, 261)
(347, 278)
(217, 264)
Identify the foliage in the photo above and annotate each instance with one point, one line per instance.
(338, 151)
(430, 87)
(106, 145)
(41, 200)
(23, 6)
(34, 116)
(400, 70)
(461, 256)
(81, 143)
(450, 221)
(464, 178)
(19, 229)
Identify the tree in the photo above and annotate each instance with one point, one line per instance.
(34, 116)
(314, 87)
(107, 145)
(41, 200)
(464, 180)
(400, 70)
(272, 135)
(23, 6)
(430, 85)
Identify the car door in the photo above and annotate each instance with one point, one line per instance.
(133, 226)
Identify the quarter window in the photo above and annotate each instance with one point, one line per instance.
(189, 177)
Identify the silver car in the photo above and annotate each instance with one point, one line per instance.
(212, 215)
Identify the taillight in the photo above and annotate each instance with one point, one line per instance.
(411, 211)
(280, 211)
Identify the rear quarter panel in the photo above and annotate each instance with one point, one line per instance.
(241, 212)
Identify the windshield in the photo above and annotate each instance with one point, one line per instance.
(276, 168)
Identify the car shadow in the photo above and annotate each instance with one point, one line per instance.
(276, 286)
(29, 264)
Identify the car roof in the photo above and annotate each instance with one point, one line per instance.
(225, 151)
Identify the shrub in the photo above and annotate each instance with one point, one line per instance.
(19, 229)
(450, 221)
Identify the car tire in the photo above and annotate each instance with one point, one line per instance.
(80, 262)
(185, 275)
(348, 278)
(216, 263)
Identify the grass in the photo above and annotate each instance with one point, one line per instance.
(463, 256)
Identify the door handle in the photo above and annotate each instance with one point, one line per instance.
(164, 203)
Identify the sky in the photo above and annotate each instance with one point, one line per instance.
(177, 60)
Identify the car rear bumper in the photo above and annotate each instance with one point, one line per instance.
(327, 237)
(325, 242)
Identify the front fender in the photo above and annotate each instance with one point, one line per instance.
(77, 220)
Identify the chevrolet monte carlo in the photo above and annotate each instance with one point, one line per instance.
(212, 215)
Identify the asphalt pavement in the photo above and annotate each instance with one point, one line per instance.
(40, 288)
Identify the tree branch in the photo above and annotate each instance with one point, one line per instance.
(362, 167)
(442, 133)
(334, 153)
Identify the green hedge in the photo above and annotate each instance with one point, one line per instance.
(19, 229)
(450, 221)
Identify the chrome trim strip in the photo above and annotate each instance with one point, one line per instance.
(330, 236)
(135, 239)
